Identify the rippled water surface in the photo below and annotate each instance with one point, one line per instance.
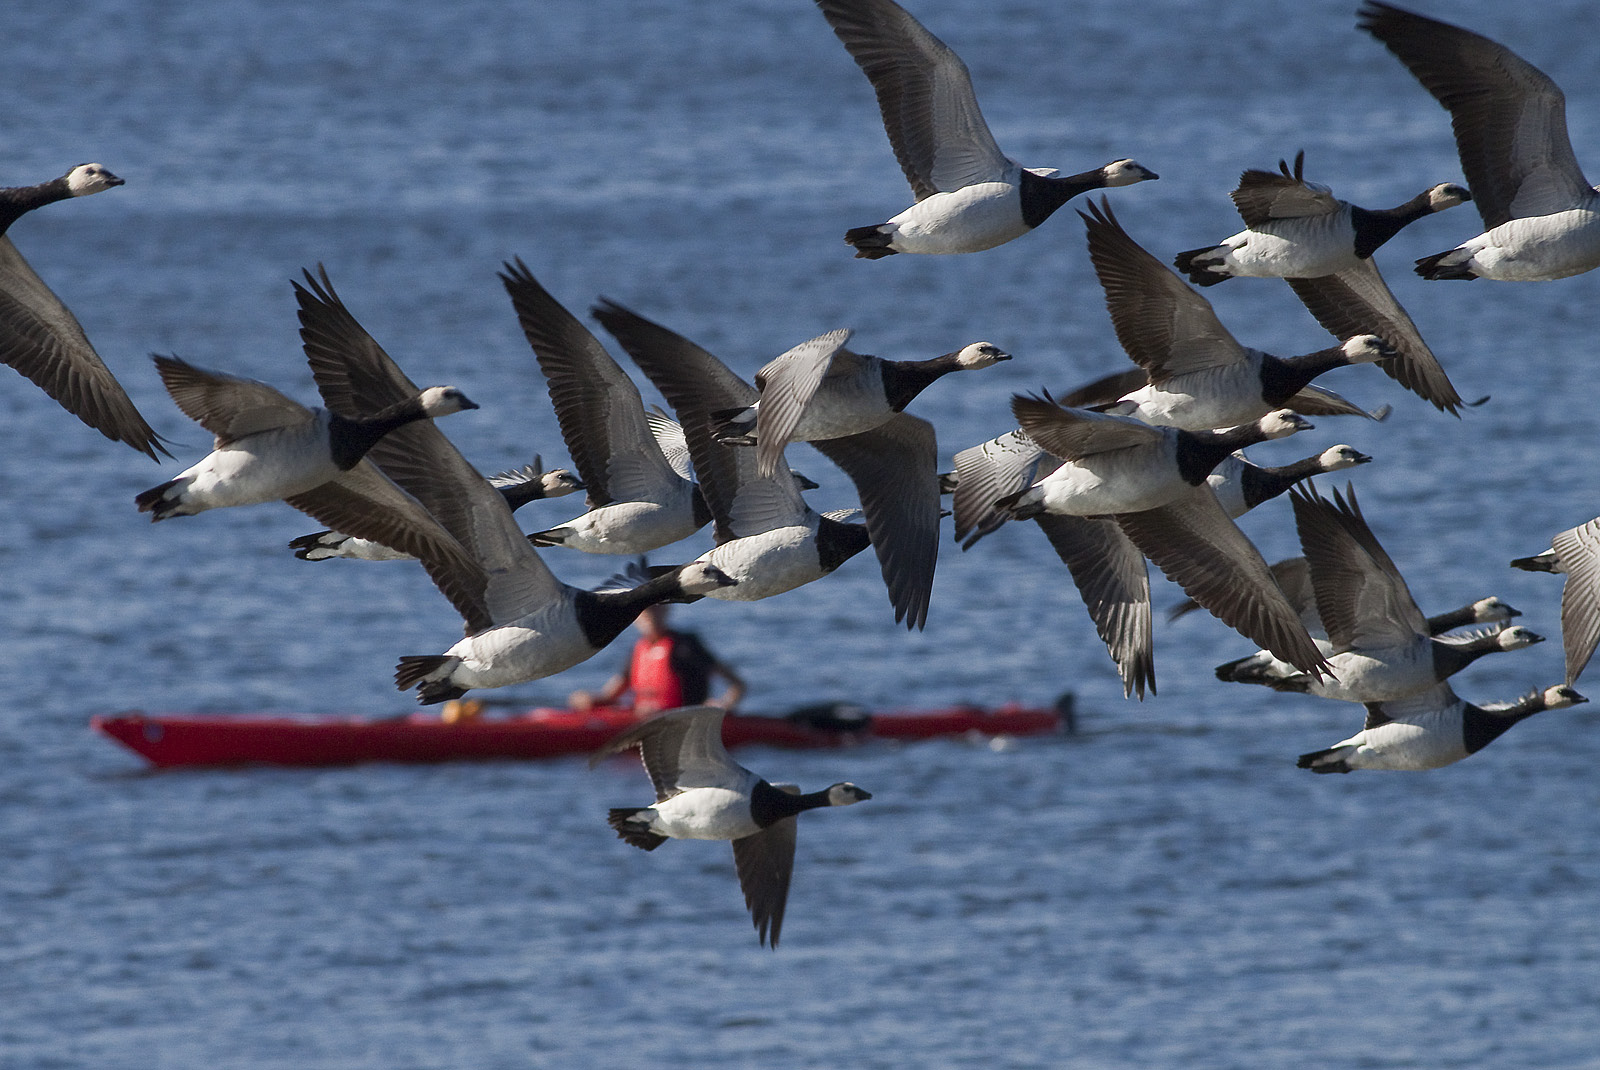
(1163, 889)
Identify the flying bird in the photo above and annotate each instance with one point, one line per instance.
(1431, 729)
(1296, 230)
(267, 447)
(703, 794)
(521, 622)
(1541, 216)
(768, 538)
(42, 339)
(970, 195)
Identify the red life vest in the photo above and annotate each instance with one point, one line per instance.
(656, 685)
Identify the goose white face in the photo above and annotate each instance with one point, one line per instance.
(1516, 637)
(846, 794)
(1487, 610)
(558, 482)
(981, 355)
(1337, 458)
(702, 577)
(1447, 195)
(1126, 173)
(1561, 696)
(1281, 423)
(1366, 349)
(89, 178)
(444, 400)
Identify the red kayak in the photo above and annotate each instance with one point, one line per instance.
(178, 740)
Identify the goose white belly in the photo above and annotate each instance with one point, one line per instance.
(1303, 248)
(539, 644)
(967, 220)
(1534, 248)
(1426, 741)
(1121, 481)
(705, 814)
(1377, 676)
(767, 563)
(632, 527)
(1201, 401)
(264, 467)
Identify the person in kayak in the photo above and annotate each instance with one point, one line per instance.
(667, 668)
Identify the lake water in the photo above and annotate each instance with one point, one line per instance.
(1164, 889)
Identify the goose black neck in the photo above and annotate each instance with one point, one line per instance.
(1284, 377)
(1260, 484)
(905, 379)
(1481, 727)
(1199, 452)
(1041, 196)
(838, 542)
(604, 615)
(769, 805)
(1373, 227)
(519, 494)
(1456, 618)
(350, 439)
(1451, 658)
(20, 200)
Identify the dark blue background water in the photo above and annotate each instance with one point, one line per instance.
(1164, 889)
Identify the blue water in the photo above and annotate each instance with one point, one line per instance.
(1164, 889)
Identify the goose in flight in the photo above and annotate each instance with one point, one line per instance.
(637, 500)
(1380, 646)
(1199, 376)
(1107, 567)
(521, 622)
(42, 339)
(270, 447)
(1541, 216)
(703, 794)
(1298, 231)
(1430, 729)
(819, 390)
(1152, 482)
(970, 195)
(768, 538)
